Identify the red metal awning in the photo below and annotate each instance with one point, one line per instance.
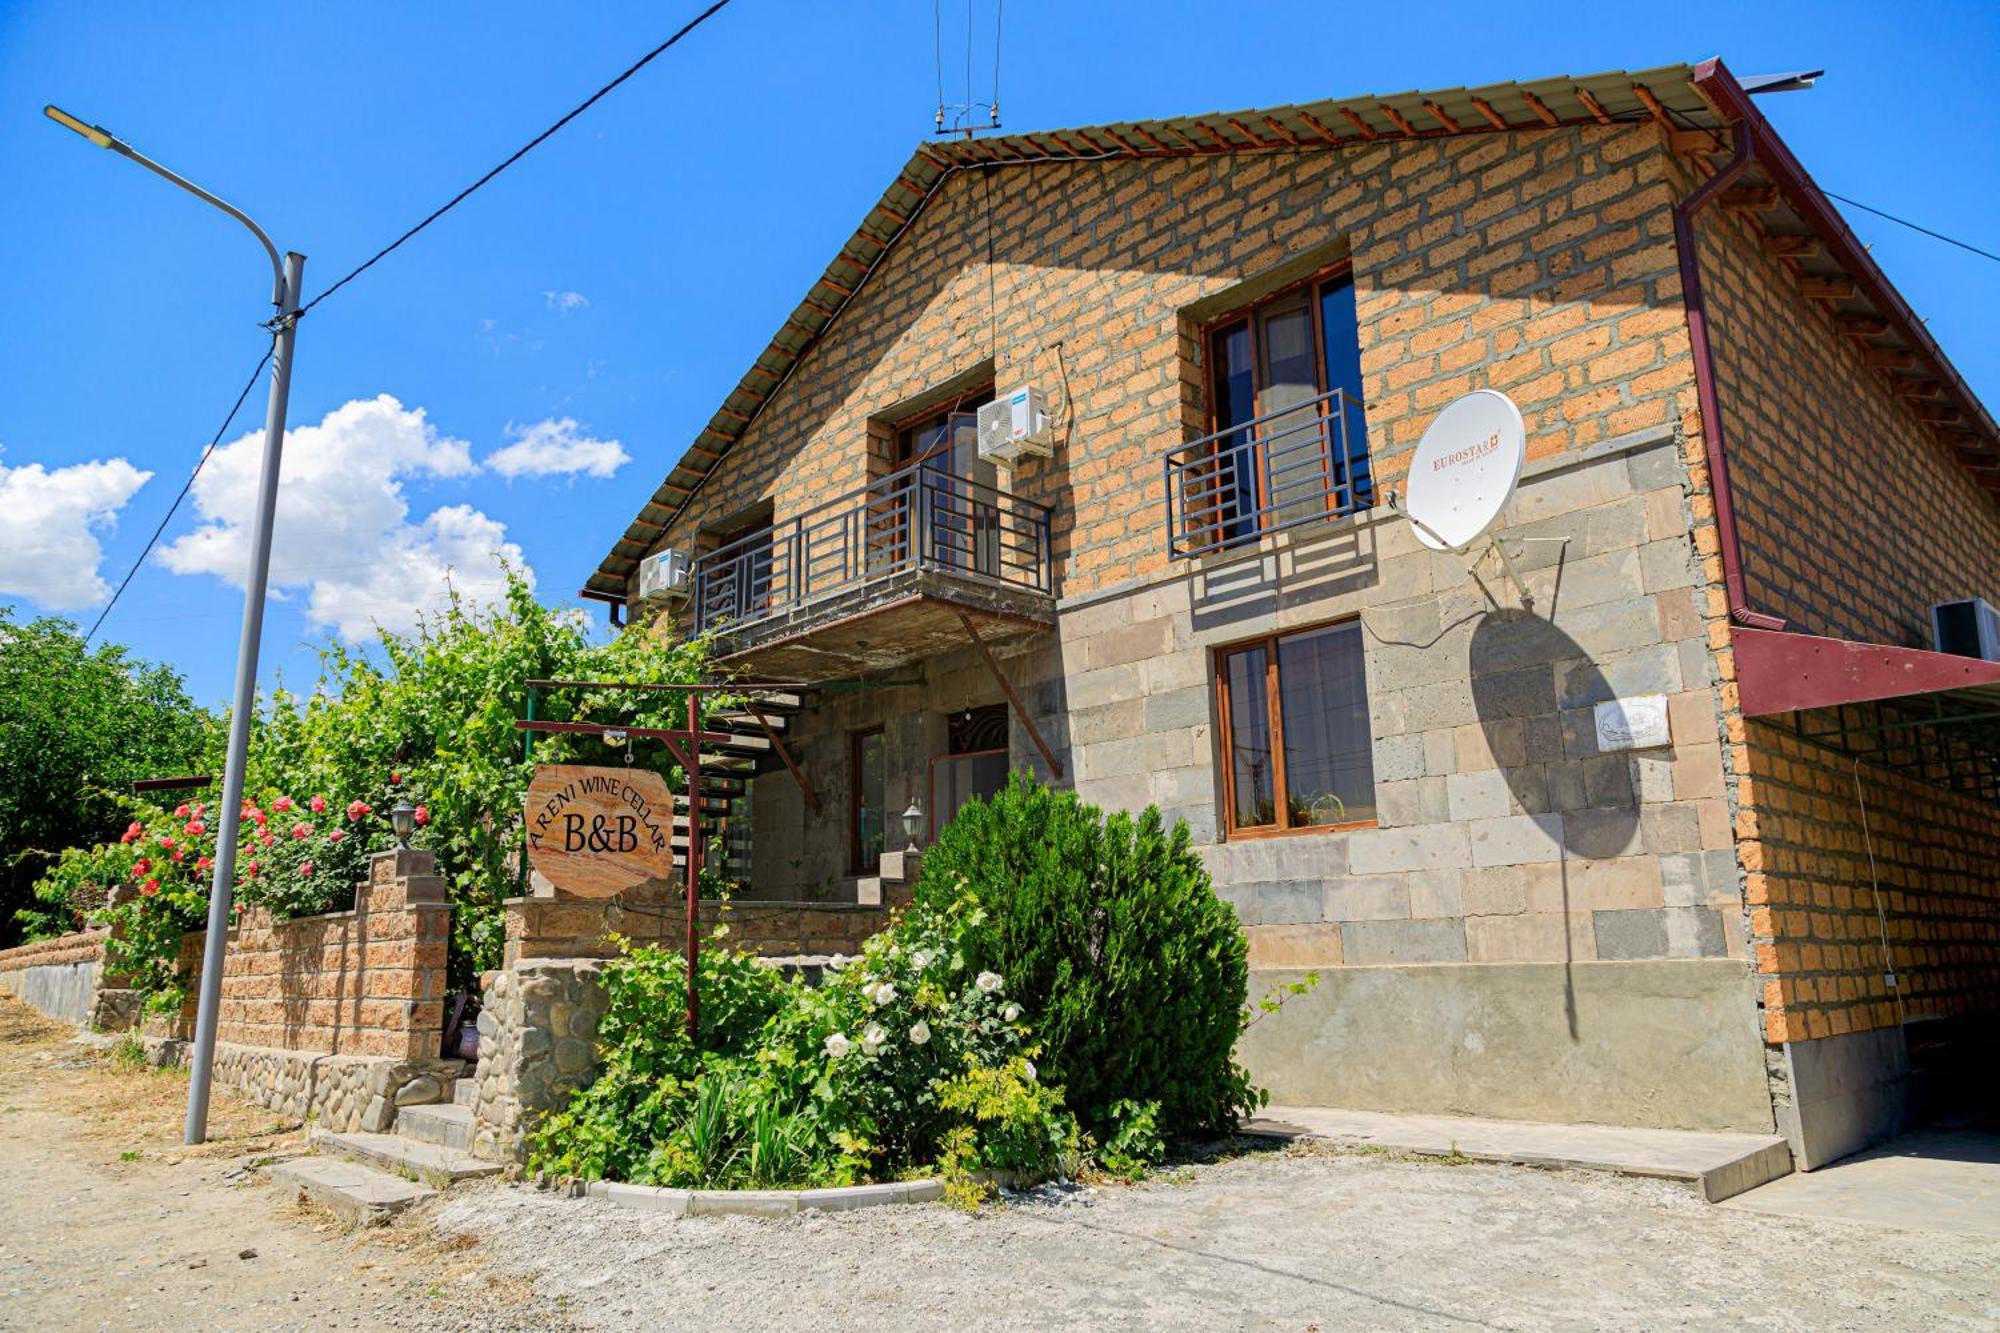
(1932, 716)
(1779, 672)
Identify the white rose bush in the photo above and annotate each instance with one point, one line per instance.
(901, 1060)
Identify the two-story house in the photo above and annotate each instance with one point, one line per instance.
(1750, 473)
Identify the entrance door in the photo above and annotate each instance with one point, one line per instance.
(958, 513)
(975, 766)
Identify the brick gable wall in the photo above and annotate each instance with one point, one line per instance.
(1541, 263)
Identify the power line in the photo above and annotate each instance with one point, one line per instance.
(1905, 222)
(173, 508)
(521, 152)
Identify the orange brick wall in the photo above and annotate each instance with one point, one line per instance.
(1541, 263)
(1817, 938)
(1852, 517)
(366, 982)
(1852, 520)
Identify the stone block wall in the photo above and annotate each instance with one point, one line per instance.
(64, 977)
(1503, 834)
(370, 981)
(583, 928)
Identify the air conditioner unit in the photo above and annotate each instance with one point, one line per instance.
(1969, 628)
(1015, 426)
(663, 577)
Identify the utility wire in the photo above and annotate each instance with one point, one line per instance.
(1905, 222)
(521, 152)
(187, 485)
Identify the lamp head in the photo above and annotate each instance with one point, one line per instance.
(403, 818)
(97, 134)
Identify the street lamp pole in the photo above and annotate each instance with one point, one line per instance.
(287, 278)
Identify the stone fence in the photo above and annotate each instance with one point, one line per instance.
(370, 981)
(338, 1017)
(65, 978)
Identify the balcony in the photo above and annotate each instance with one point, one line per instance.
(1302, 464)
(878, 578)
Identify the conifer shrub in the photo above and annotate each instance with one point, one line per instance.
(1110, 930)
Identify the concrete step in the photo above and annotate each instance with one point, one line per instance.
(357, 1195)
(1718, 1165)
(432, 1163)
(464, 1092)
(444, 1123)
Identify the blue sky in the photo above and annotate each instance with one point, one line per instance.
(587, 310)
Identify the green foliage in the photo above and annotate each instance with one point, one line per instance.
(866, 1076)
(1010, 1126)
(1111, 930)
(1132, 1143)
(431, 715)
(75, 724)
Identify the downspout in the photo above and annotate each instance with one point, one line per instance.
(1704, 382)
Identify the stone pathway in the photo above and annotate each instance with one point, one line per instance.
(1718, 1165)
(1933, 1180)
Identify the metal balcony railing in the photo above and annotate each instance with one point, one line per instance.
(921, 518)
(1299, 465)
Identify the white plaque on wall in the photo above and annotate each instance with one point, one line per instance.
(1637, 723)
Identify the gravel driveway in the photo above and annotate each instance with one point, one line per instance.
(1275, 1240)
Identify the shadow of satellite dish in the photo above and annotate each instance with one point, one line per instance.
(1525, 670)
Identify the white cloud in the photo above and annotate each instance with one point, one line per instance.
(48, 544)
(344, 533)
(564, 302)
(556, 447)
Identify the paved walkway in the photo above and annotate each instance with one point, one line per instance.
(1720, 1165)
(1933, 1180)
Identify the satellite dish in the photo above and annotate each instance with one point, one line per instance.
(1465, 470)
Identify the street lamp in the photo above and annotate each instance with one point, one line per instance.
(287, 275)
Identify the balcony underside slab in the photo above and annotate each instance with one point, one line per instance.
(884, 625)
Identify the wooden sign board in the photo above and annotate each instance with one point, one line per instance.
(596, 832)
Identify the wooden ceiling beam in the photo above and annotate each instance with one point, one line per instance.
(1819, 288)
(1320, 129)
(1757, 197)
(1397, 117)
(1541, 109)
(1368, 131)
(1888, 358)
(1861, 326)
(1437, 113)
(1493, 118)
(1593, 106)
(1793, 245)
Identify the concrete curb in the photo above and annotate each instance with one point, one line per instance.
(763, 1203)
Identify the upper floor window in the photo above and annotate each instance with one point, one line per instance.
(1284, 393)
(1298, 751)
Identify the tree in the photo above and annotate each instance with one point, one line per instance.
(74, 723)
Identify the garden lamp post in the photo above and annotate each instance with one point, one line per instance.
(913, 819)
(287, 275)
(403, 818)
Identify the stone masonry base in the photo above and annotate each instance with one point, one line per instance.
(340, 1093)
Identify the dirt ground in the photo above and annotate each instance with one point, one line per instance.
(106, 1223)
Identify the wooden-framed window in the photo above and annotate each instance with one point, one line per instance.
(1277, 362)
(868, 812)
(1297, 748)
